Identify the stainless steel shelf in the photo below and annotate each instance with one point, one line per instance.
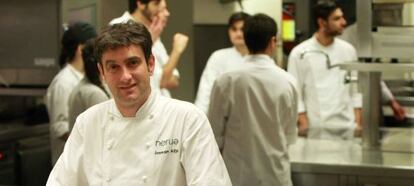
(377, 67)
(22, 91)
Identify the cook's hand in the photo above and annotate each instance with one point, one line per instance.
(180, 42)
(64, 137)
(358, 131)
(398, 110)
(157, 26)
(303, 130)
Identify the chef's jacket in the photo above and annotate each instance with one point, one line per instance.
(168, 142)
(220, 62)
(328, 101)
(83, 96)
(253, 113)
(56, 101)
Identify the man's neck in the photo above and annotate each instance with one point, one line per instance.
(77, 64)
(138, 17)
(132, 109)
(242, 49)
(324, 39)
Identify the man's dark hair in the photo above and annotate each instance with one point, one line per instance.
(323, 9)
(258, 30)
(133, 4)
(123, 35)
(76, 34)
(90, 64)
(235, 17)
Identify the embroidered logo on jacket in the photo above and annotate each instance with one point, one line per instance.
(166, 146)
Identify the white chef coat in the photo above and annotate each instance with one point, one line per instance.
(328, 102)
(168, 142)
(253, 113)
(83, 96)
(220, 62)
(56, 101)
(161, 58)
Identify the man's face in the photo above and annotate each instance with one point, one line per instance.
(156, 8)
(236, 33)
(335, 24)
(127, 74)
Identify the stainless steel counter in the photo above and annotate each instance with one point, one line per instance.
(395, 158)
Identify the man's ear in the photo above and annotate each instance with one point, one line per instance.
(101, 70)
(274, 41)
(151, 64)
(140, 5)
(322, 23)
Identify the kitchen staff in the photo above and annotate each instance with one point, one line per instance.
(154, 15)
(58, 92)
(253, 111)
(90, 90)
(223, 60)
(328, 108)
(139, 137)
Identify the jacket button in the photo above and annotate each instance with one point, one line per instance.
(109, 145)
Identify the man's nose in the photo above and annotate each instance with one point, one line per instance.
(126, 75)
(166, 13)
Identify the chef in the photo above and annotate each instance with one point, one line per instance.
(139, 137)
(58, 92)
(328, 108)
(223, 60)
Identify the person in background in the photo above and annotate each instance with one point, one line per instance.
(58, 92)
(253, 111)
(350, 35)
(328, 108)
(223, 60)
(90, 90)
(139, 137)
(154, 15)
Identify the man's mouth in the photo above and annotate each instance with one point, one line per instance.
(127, 87)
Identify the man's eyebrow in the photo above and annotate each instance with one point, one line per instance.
(133, 58)
(109, 61)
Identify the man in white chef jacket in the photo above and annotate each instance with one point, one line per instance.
(154, 15)
(139, 137)
(253, 111)
(223, 60)
(58, 92)
(329, 108)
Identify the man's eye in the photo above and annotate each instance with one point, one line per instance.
(112, 68)
(133, 63)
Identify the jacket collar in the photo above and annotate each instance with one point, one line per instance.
(145, 110)
(260, 59)
(75, 72)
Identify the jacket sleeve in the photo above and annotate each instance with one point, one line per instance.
(95, 96)
(219, 109)
(291, 114)
(355, 94)
(210, 73)
(297, 71)
(201, 157)
(58, 110)
(386, 93)
(68, 170)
